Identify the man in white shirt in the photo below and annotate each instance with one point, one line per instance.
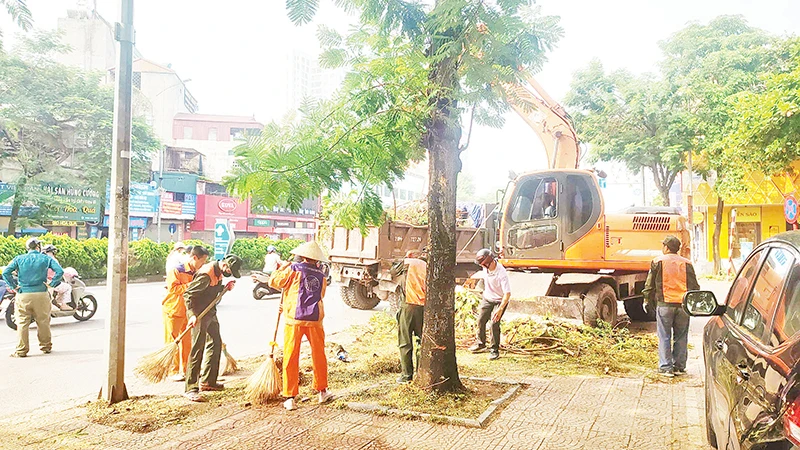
(496, 295)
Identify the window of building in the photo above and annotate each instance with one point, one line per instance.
(212, 134)
(187, 132)
(766, 291)
(179, 196)
(137, 80)
(237, 133)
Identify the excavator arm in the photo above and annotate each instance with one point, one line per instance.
(549, 120)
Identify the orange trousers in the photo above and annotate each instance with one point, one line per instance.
(173, 326)
(292, 336)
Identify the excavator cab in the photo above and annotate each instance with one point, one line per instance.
(548, 211)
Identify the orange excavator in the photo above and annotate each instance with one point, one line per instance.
(554, 222)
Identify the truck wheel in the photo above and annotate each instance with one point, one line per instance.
(600, 303)
(394, 303)
(638, 311)
(357, 297)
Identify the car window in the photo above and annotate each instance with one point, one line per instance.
(766, 291)
(787, 317)
(737, 297)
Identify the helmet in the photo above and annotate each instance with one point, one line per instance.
(482, 255)
(50, 248)
(271, 249)
(33, 244)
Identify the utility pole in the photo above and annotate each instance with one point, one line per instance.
(690, 202)
(114, 389)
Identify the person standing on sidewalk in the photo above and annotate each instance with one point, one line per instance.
(173, 308)
(206, 341)
(303, 286)
(410, 274)
(670, 276)
(496, 295)
(32, 302)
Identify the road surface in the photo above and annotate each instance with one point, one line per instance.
(74, 371)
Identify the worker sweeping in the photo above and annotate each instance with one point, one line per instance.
(303, 286)
(174, 308)
(202, 292)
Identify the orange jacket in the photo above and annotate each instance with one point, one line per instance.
(178, 280)
(670, 276)
(303, 287)
(410, 275)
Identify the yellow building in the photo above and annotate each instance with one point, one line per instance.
(756, 213)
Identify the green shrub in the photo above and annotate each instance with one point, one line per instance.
(90, 257)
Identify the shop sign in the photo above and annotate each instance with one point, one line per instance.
(63, 223)
(284, 224)
(143, 200)
(227, 205)
(748, 215)
(262, 223)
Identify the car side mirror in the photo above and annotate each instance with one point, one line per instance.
(702, 304)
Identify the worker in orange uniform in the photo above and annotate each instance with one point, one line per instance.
(174, 307)
(303, 286)
(410, 275)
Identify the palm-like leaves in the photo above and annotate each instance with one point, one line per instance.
(19, 12)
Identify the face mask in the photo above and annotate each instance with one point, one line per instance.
(227, 274)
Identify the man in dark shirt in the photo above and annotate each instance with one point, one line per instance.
(201, 292)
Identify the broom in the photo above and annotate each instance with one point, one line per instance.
(156, 366)
(231, 366)
(264, 384)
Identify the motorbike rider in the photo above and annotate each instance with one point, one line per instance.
(32, 301)
(63, 290)
(272, 260)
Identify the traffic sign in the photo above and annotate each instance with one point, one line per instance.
(790, 209)
(172, 228)
(223, 239)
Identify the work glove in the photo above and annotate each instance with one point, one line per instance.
(230, 285)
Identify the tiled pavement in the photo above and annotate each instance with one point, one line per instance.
(549, 414)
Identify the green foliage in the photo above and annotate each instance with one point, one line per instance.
(634, 120)
(45, 107)
(379, 122)
(89, 257)
(767, 120)
(252, 251)
(19, 13)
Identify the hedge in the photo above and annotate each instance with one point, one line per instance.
(146, 257)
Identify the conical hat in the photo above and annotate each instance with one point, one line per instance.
(310, 250)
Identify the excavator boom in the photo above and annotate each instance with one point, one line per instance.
(549, 120)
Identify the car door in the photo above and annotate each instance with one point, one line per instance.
(720, 376)
(748, 355)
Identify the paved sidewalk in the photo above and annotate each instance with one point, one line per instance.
(549, 414)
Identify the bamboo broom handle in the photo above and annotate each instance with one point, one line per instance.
(200, 316)
(274, 344)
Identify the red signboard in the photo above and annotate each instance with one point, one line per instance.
(213, 207)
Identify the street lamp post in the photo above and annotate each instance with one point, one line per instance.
(114, 389)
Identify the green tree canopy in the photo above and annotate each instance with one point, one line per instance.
(631, 119)
(52, 115)
(415, 70)
(19, 13)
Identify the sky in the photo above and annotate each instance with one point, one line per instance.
(234, 52)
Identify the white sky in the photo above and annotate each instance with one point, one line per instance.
(233, 52)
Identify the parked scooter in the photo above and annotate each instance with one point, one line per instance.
(83, 305)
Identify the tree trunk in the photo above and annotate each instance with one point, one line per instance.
(717, 232)
(664, 191)
(16, 205)
(438, 369)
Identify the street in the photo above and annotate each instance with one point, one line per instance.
(73, 372)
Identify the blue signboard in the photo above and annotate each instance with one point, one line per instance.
(223, 239)
(143, 201)
(133, 222)
(172, 228)
(189, 207)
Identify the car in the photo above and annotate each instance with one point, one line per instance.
(751, 348)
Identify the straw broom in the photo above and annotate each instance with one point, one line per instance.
(156, 366)
(231, 366)
(265, 383)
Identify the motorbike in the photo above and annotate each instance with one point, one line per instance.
(262, 288)
(83, 305)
